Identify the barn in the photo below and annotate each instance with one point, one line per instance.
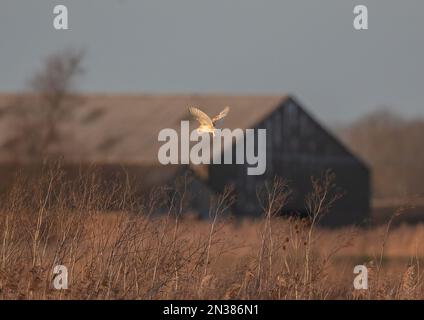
(121, 131)
(298, 147)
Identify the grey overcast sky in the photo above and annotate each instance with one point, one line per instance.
(304, 47)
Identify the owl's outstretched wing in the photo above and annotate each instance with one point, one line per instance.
(221, 115)
(200, 116)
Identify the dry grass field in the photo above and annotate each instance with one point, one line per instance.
(134, 253)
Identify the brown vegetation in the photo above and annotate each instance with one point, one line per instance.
(134, 253)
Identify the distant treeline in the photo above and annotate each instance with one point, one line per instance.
(393, 147)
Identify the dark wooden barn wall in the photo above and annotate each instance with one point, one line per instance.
(298, 148)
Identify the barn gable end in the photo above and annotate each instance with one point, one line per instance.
(298, 147)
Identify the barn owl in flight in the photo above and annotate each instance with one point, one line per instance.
(206, 123)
